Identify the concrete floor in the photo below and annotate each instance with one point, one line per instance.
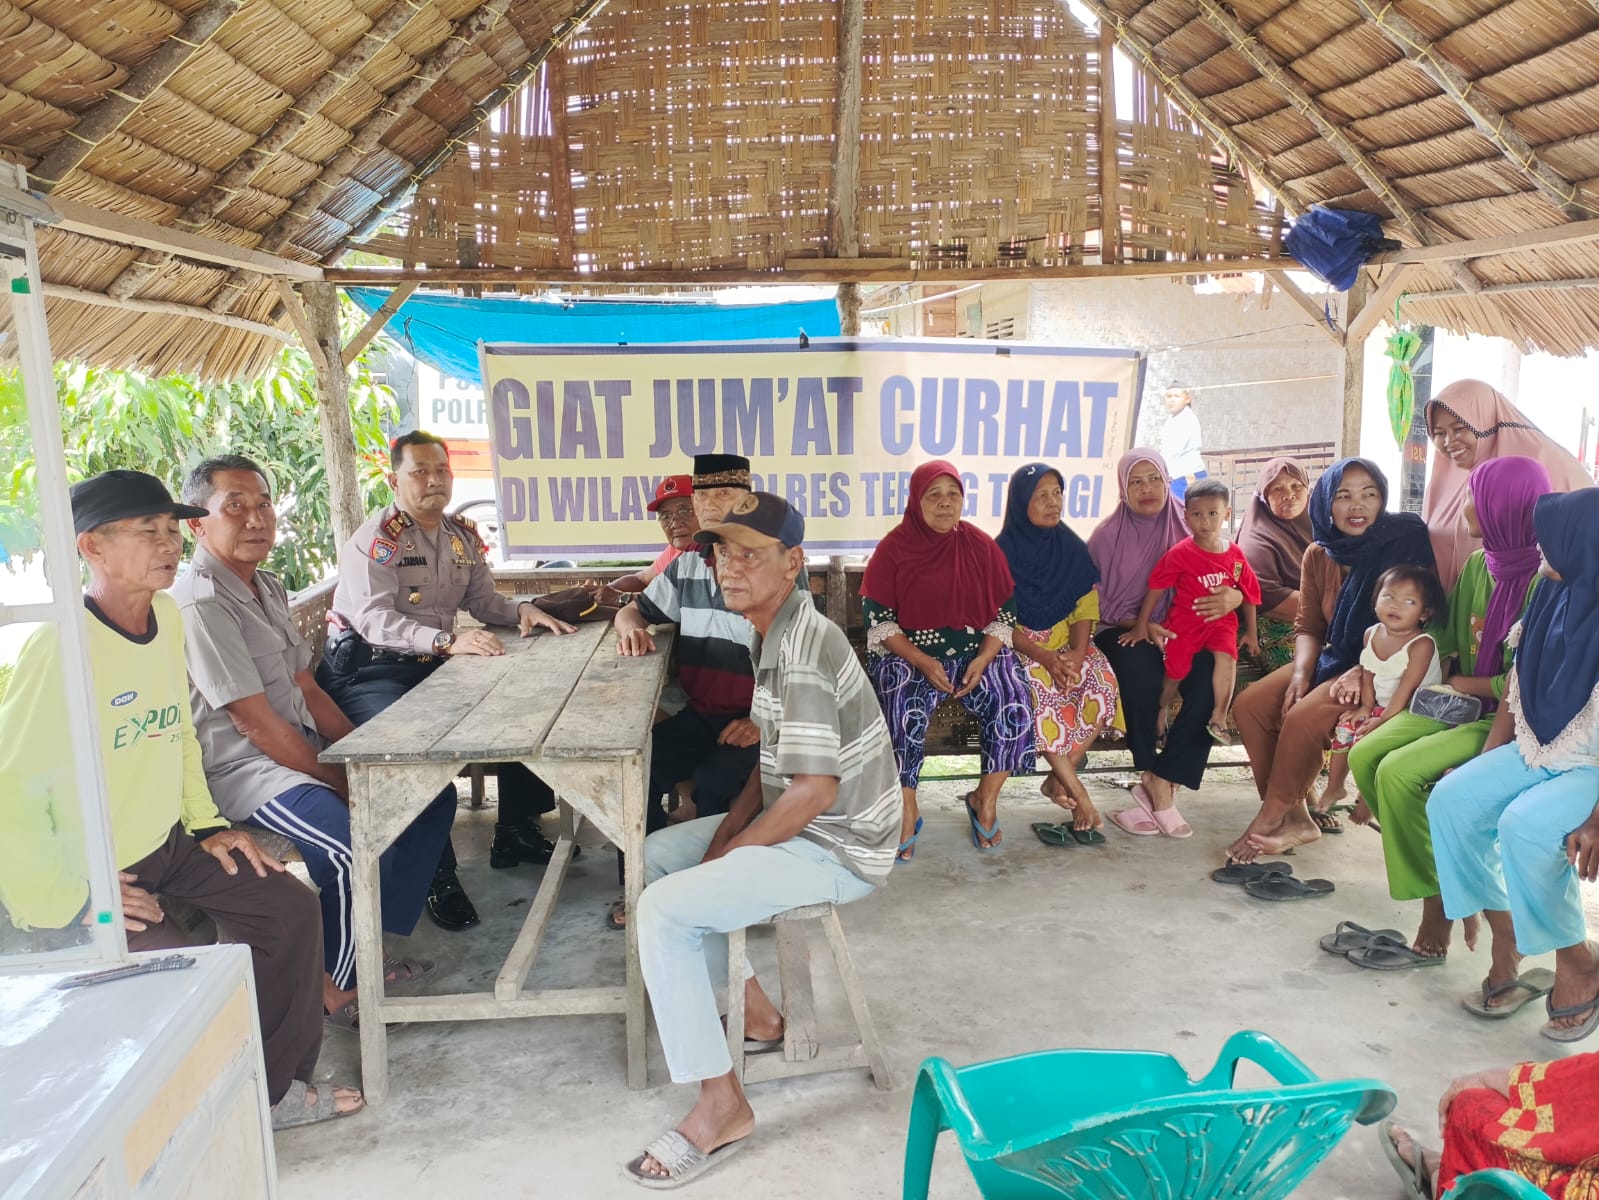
(966, 955)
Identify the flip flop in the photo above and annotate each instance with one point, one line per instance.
(616, 916)
(1347, 936)
(1385, 953)
(1086, 837)
(682, 1159)
(755, 1045)
(1326, 822)
(907, 848)
(1418, 1183)
(1239, 873)
(1576, 1032)
(1136, 822)
(1532, 985)
(1286, 887)
(346, 1016)
(979, 832)
(1053, 835)
(1219, 734)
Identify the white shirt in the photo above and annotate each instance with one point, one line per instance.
(1179, 444)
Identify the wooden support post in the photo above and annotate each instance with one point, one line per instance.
(1377, 304)
(1354, 371)
(333, 407)
(1110, 210)
(375, 323)
(842, 234)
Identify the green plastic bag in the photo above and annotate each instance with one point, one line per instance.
(1402, 348)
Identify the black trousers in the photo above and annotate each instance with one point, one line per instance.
(366, 691)
(684, 746)
(1140, 673)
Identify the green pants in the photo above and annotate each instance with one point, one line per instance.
(1395, 767)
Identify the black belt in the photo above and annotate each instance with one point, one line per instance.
(396, 657)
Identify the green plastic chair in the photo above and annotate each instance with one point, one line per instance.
(1494, 1185)
(1131, 1125)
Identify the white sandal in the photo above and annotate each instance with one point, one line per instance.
(682, 1159)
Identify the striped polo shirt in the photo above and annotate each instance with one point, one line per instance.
(713, 644)
(818, 715)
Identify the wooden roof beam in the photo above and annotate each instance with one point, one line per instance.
(107, 115)
(88, 221)
(282, 131)
(843, 236)
(166, 308)
(1490, 122)
(1191, 104)
(796, 270)
(462, 37)
(1315, 311)
(1249, 48)
(1569, 234)
(1376, 306)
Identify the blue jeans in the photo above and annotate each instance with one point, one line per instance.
(318, 822)
(686, 911)
(1498, 837)
(1179, 485)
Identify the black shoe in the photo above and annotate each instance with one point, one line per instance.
(516, 844)
(448, 904)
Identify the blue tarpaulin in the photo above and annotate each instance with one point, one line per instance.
(443, 331)
(1333, 243)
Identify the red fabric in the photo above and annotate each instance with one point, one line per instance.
(954, 580)
(1193, 572)
(664, 559)
(1219, 637)
(1547, 1131)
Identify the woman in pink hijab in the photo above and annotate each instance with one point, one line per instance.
(1471, 422)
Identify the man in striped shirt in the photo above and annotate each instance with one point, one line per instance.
(818, 823)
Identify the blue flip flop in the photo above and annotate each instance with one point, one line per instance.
(979, 832)
(909, 844)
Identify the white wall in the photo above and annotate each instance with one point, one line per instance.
(1221, 345)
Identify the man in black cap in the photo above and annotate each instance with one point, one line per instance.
(167, 835)
(703, 754)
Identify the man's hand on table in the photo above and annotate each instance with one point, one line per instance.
(634, 642)
(221, 845)
(530, 616)
(476, 641)
(739, 732)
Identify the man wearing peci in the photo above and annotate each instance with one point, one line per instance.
(262, 720)
(402, 578)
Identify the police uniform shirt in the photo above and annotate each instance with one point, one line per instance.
(239, 644)
(400, 586)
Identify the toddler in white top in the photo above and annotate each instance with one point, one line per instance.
(1398, 656)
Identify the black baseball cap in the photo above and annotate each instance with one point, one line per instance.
(758, 519)
(118, 495)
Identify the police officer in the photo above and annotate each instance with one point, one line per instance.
(402, 578)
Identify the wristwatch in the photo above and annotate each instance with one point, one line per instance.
(442, 642)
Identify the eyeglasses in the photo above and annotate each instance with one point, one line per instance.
(680, 515)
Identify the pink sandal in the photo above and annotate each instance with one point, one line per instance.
(1136, 822)
(1166, 820)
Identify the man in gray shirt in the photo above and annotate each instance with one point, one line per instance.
(261, 720)
(818, 823)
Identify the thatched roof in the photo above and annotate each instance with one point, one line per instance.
(699, 137)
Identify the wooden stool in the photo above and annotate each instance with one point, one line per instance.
(802, 1052)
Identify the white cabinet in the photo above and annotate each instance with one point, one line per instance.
(142, 1088)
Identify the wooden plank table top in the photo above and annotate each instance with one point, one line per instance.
(573, 711)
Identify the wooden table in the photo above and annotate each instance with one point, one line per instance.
(579, 715)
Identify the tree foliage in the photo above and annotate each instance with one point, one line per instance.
(166, 425)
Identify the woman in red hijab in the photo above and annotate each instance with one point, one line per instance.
(940, 608)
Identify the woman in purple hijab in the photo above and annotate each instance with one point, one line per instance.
(1397, 765)
(1126, 545)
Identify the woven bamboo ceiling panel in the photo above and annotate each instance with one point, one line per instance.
(691, 136)
(1452, 119)
(694, 135)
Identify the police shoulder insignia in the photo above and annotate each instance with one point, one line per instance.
(466, 523)
(383, 549)
(396, 524)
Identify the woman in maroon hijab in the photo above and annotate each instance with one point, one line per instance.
(940, 608)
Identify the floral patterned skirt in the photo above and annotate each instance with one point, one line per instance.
(1067, 721)
(1276, 642)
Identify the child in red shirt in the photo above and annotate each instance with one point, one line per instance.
(1196, 566)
